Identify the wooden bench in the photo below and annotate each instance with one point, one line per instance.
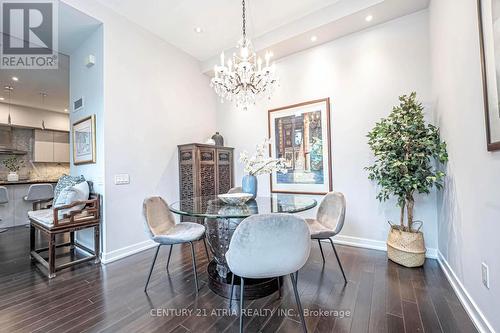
(51, 222)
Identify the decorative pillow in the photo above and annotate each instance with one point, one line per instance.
(66, 181)
(78, 192)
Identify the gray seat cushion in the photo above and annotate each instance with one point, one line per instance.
(181, 233)
(43, 216)
(319, 231)
(46, 216)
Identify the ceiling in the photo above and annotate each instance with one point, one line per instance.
(280, 23)
(175, 20)
(74, 28)
(53, 82)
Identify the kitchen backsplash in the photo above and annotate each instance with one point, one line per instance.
(23, 139)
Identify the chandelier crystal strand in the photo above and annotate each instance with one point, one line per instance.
(245, 77)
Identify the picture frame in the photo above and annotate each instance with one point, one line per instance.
(300, 133)
(84, 141)
(489, 38)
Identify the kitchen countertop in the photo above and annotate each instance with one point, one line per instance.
(28, 182)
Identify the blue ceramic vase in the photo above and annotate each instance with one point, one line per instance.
(249, 185)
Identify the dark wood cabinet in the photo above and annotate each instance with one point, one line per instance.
(204, 170)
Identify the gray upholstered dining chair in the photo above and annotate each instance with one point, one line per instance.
(38, 194)
(238, 189)
(161, 227)
(266, 246)
(329, 222)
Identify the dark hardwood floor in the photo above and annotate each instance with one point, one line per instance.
(380, 296)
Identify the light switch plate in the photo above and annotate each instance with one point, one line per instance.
(122, 179)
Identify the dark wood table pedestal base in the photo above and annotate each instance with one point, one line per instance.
(254, 288)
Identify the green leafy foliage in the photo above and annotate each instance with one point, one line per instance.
(406, 150)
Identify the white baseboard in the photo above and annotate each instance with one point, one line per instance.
(468, 303)
(111, 256)
(367, 243)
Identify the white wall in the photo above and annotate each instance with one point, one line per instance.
(469, 209)
(155, 98)
(363, 74)
(88, 82)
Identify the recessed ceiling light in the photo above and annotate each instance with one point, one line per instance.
(314, 38)
(198, 30)
(65, 110)
(2, 98)
(368, 18)
(15, 78)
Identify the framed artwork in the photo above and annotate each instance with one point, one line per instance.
(300, 134)
(84, 146)
(489, 31)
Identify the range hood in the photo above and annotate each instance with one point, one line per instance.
(6, 144)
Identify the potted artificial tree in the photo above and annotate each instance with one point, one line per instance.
(13, 164)
(406, 150)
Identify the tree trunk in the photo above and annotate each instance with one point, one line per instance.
(410, 203)
(402, 217)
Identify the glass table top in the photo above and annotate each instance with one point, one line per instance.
(213, 207)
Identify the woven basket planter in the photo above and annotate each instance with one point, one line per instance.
(406, 248)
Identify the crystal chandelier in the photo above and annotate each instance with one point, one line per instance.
(245, 77)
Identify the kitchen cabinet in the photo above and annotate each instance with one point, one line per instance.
(44, 146)
(61, 147)
(51, 146)
(27, 117)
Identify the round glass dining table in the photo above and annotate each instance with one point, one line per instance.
(221, 219)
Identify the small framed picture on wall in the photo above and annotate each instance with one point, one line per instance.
(300, 134)
(84, 145)
(489, 33)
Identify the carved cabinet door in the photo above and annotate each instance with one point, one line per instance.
(207, 174)
(224, 170)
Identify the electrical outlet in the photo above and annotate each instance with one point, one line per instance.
(485, 273)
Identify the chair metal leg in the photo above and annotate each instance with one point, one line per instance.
(206, 249)
(169, 255)
(32, 238)
(152, 266)
(338, 260)
(321, 249)
(194, 267)
(232, 288)
(299, 305)
(279, 286)
(242, 291)
(297, 277)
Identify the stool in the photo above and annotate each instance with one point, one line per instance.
(4, 198)
(38, 194)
